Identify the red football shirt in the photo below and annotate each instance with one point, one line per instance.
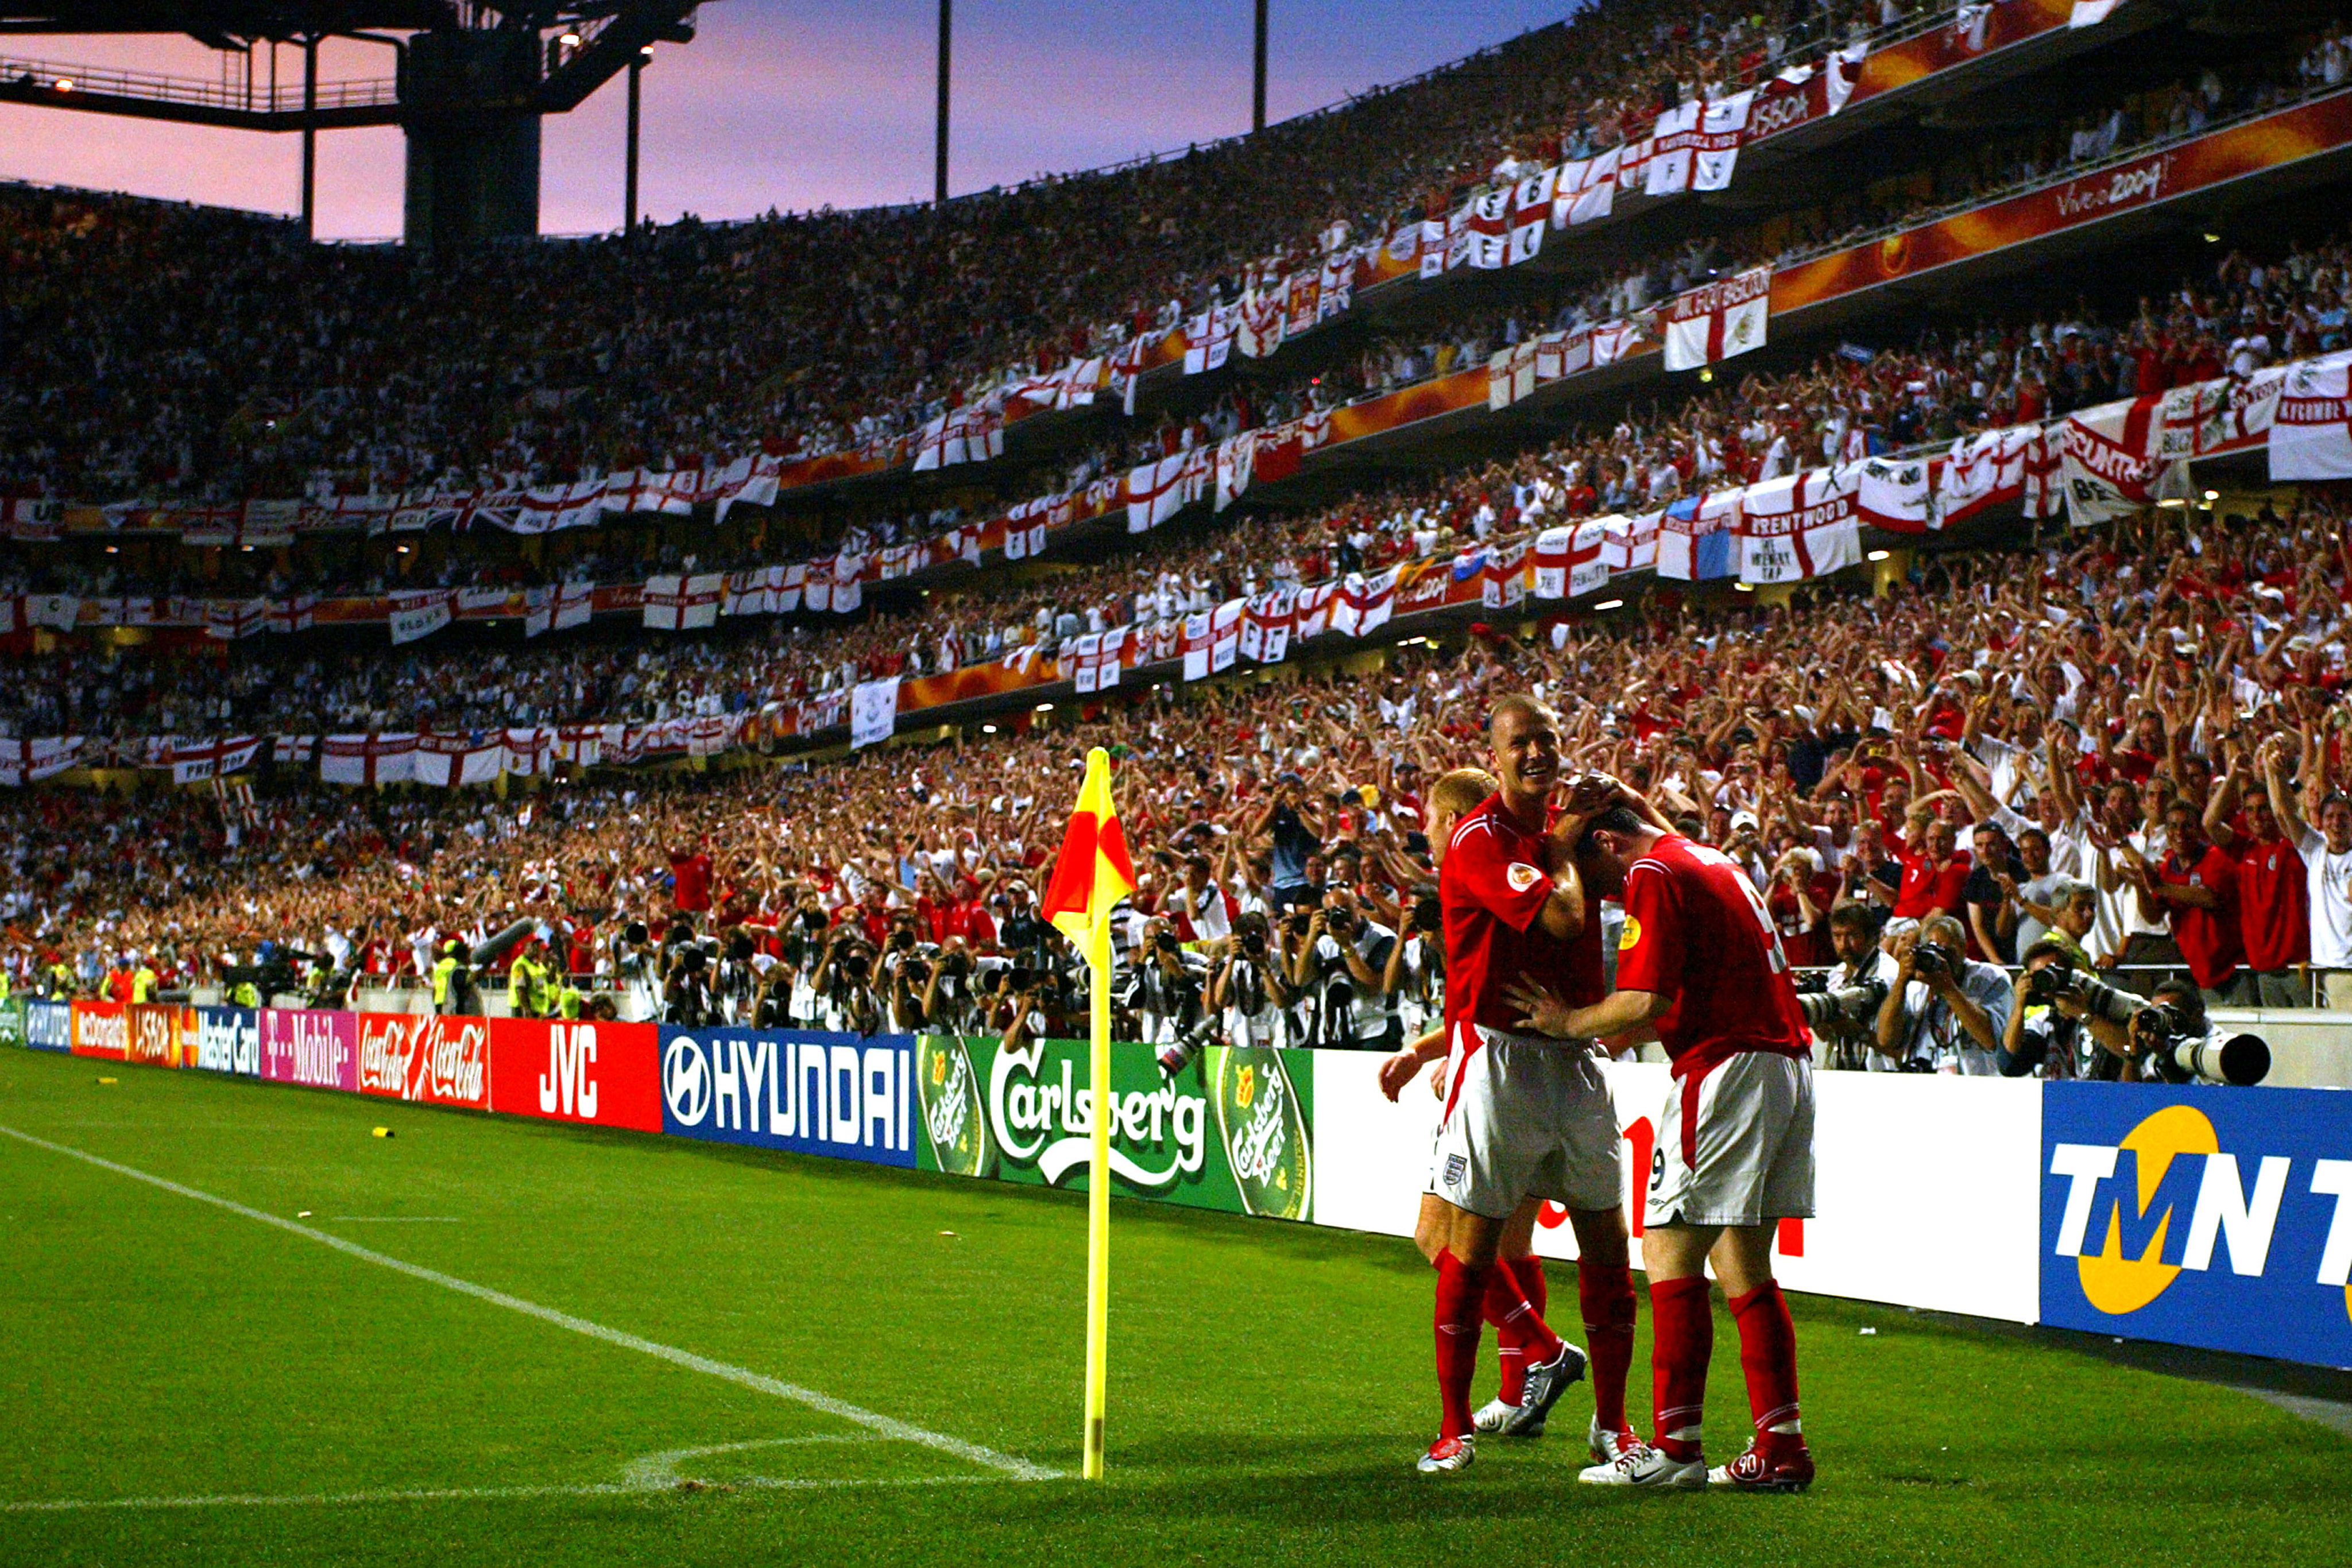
(2207, 938)
(1925, 892)
(1697, 930)
(1491, 889)
(692, 874)
(2274, 914)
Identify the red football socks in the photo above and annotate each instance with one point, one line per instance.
(1522, 1335)
(1682, 1326)
(1606, 1292)
(1767, 1354)
(1461, 1303)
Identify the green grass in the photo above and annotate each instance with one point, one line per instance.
(1270, 1383)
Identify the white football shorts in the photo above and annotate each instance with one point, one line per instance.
(1736, 1144)
(1527, 1118)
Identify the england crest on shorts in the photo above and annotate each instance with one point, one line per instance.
(1456, 1165)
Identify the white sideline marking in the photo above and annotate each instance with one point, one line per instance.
(460, 1494)
(743, 1377)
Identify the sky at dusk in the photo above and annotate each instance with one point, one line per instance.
(790, 104)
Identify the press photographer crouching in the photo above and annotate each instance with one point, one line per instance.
(2066, 1022)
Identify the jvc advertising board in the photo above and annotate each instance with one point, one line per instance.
(600, 1075)
(1230, 1132)
(837, 1096)
(2211, 1217)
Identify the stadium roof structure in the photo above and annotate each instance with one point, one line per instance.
(470, 84)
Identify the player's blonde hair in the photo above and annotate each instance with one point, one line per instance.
(1458, 792)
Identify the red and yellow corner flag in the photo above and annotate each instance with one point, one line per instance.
(1094, 871)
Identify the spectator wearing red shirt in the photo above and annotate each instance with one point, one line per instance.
(2273, 900)
(2196, 888)
(1935, 871)
(690, 872)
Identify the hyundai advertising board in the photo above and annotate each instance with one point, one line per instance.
(837, 1096)
(48, 1026)
(2211, 1217)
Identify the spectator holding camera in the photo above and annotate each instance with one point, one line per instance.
(1946, 1011)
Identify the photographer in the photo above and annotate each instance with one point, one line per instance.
(1341, 964)
(2174, 1041)
(1027, 1007)
(1415, 976)
(1167, 986)
(1946, 1011)
(949, 1006)
(1843, 1010)
(690, 999)
(844, 984)
(1247, 991)
(2063, 1021)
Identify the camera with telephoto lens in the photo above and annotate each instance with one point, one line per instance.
(2168, 1048)
(1428, 915)
(1175, 1057)
(2054, 980)
(1839, 1010)
(1339, 922)
(1253, 942)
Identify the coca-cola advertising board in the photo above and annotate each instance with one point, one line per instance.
(603, 1074)
(314, 1048)
(423, 1059)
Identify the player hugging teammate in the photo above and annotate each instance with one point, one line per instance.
(1528, 1116)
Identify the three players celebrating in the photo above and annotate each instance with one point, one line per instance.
(1528, 1116)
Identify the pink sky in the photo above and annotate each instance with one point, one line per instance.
(791, 103)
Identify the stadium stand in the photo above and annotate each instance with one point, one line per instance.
(1332, 434)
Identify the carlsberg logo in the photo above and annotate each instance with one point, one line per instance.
(1049, 1123)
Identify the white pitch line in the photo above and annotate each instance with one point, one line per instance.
(888, 1425)
(463, 1494)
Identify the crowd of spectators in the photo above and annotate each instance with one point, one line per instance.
(158, 350)
(2244, 312)
(2122, 753)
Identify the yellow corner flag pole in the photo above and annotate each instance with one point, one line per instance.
(1099, 1205)
(1092, 874)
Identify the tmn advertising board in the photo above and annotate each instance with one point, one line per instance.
(2219, 1217)
(1232, 1131)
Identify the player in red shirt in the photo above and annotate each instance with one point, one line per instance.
(1524, 1117)
(1699, 958)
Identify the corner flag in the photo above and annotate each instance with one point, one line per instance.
(1093, 873)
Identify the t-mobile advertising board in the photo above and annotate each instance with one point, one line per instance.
(311, 1047)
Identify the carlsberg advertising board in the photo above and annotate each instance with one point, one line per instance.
(1229, 1133)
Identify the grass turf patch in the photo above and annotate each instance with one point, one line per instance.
(1270, 1383)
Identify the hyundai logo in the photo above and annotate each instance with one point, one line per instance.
(685, 1080)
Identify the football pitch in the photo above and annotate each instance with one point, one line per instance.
(501, 1340)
